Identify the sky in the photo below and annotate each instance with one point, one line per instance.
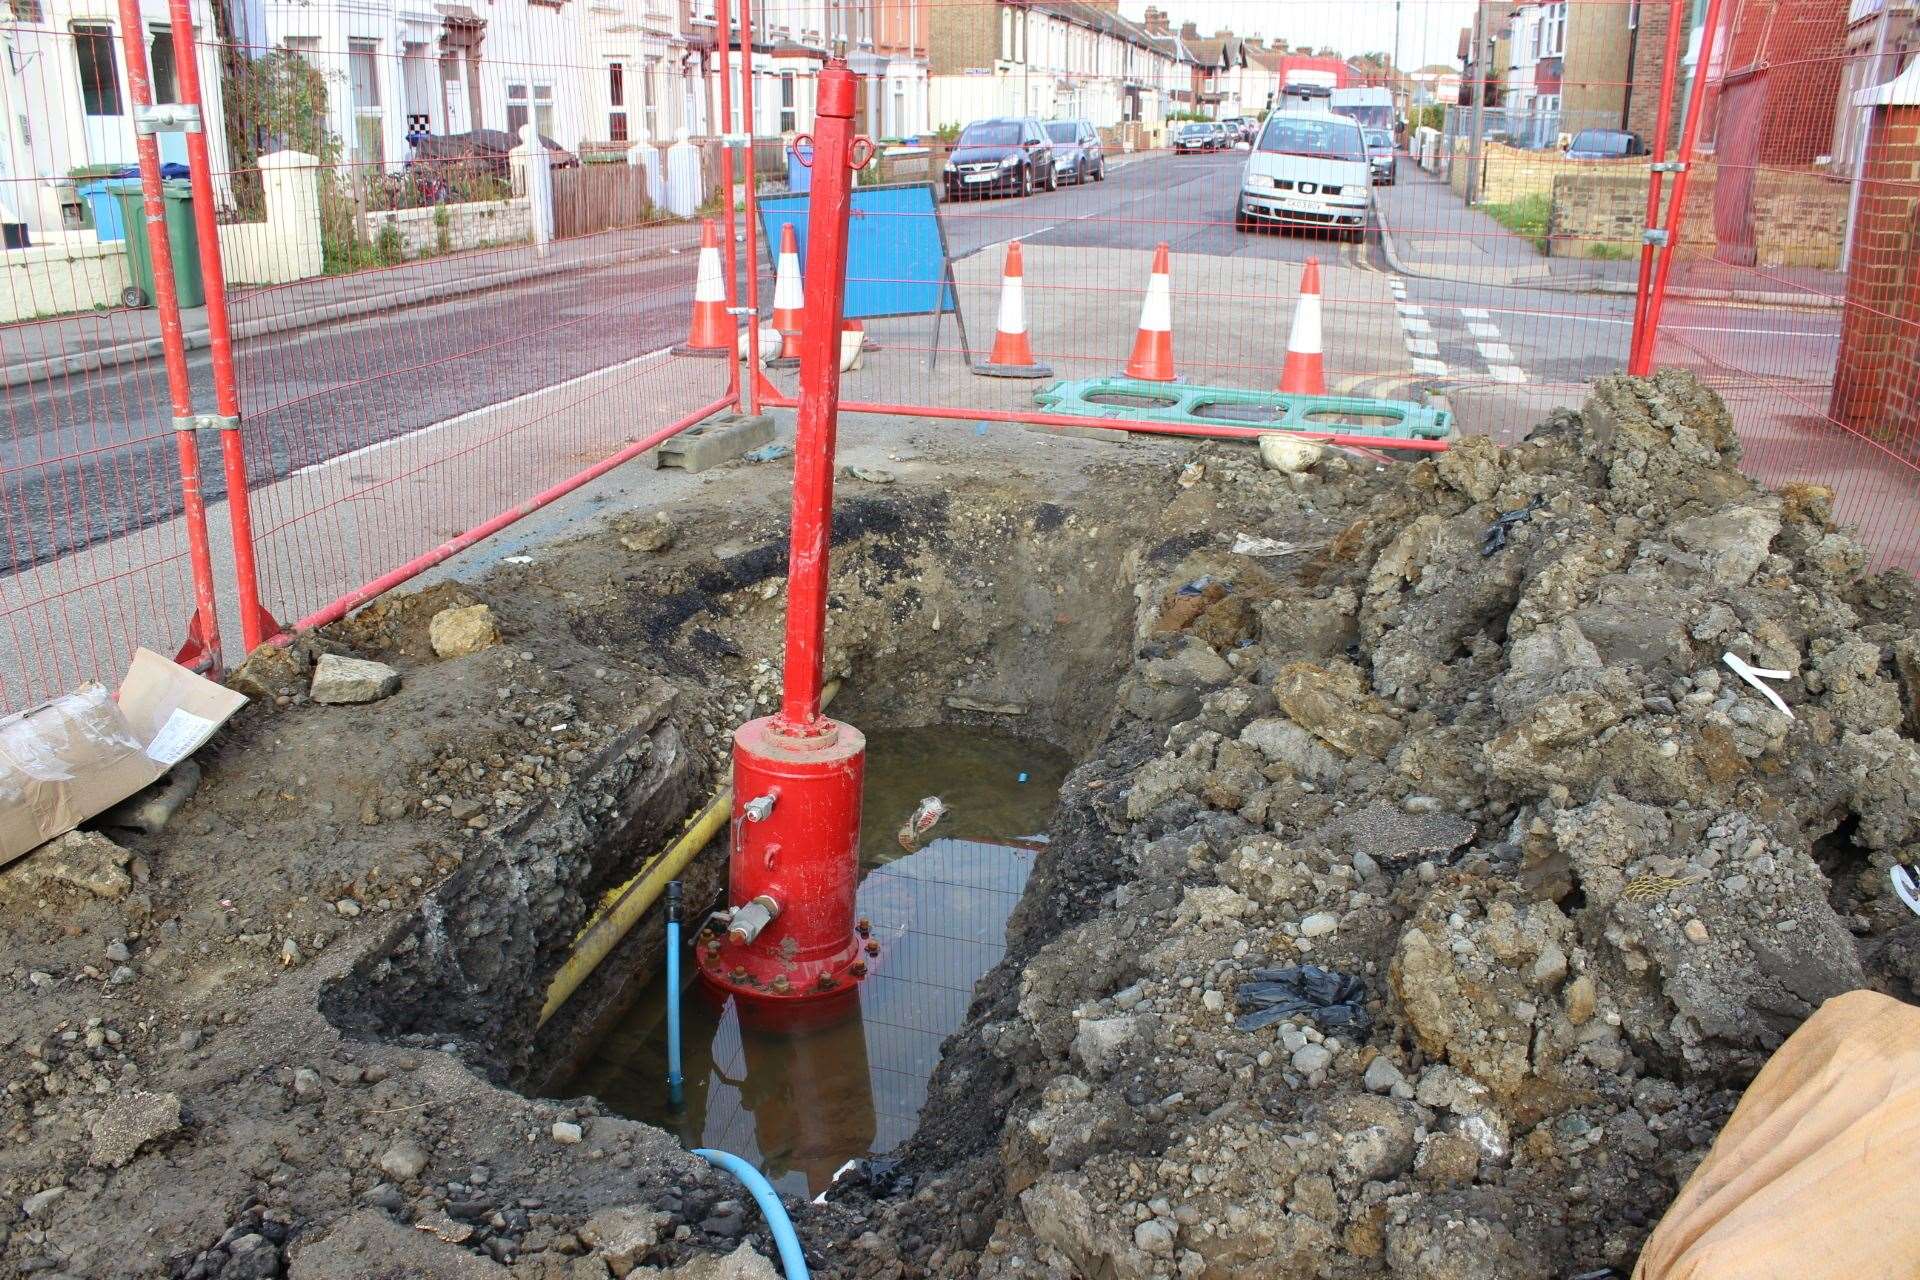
(1429, 29)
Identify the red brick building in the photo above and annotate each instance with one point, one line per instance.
(1876, 389)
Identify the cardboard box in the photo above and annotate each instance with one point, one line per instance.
(83, 752)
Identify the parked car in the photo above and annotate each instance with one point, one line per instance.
(1380, 156)
(1010, 154)
(1605, 144)
(480, 151)
(1309, 168)
(1222, 136)
(1077, 153)
(1240, 128)
(1191, 137)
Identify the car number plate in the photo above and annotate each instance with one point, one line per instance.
(978, 177)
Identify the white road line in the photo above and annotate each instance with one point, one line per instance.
(1507, 373)
(1423, 346)
(1416, 326)
(1482, 330)
(1473, 313)
(1430, 368)
(1495, 352)
(1410, 309)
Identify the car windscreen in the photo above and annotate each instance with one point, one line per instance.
(1196, 130)
(1379, 138)
(1326, 139)
(1601, 141)
(991, 135)
(1063, 132)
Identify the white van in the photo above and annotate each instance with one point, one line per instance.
(1307, 168)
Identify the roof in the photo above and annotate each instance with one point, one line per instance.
(1095, 18)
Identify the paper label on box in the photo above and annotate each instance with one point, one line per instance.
(178, 737)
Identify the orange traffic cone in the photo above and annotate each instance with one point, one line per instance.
(714, 332)
(789, 300)
(1304, 374)
(1153, 347)
(1012, 350)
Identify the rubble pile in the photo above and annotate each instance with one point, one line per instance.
(1478, 750)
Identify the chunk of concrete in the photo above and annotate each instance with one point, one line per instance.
(84, 860)
(129, 1123)
(455, 633)
(339, 681)
(709, 444)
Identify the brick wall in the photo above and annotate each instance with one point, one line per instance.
(1799, 217)
(962, 35)
(1508, 173)
(1876, 389)
(1593, 81)
(1649, 63)
(474, 225)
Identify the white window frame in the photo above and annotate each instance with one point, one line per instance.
(367, 114)
(530, 99)
(619, 110)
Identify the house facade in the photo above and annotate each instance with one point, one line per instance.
(66, 105)
(646, 69)
(1048, 58)
(394, 66)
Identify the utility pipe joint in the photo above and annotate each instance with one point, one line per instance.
(750, 921)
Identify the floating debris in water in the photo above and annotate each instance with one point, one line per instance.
(915, 828)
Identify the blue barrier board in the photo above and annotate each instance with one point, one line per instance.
(896, 249)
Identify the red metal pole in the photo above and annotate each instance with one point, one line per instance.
(724, 15)
(816, 422)
(753, 237)
(255, 623)
(1677, 206)
(205, 627)
(1639, 359)
(790, 942)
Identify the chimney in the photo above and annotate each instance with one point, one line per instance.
(1188, 31)
(1155, 21)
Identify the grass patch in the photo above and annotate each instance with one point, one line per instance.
(1526, 216)
(1609, 252)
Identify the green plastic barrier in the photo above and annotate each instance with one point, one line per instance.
(1177, 402)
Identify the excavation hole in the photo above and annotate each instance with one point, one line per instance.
(1354, 418)
(801, 1105)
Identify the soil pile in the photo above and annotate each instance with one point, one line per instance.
(1475, 745)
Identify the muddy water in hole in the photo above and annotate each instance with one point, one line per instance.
(802, 1106)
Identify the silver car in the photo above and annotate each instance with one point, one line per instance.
(1380, 157)
(1077, 154)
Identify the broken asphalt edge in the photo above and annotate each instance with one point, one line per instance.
(31, 371)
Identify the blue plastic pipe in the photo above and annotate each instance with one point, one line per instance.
(675, 1093)
(792, 1260)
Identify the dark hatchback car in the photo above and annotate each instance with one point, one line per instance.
(1605, 144)
(1077, 154)
(1193, 136)
(993, 157)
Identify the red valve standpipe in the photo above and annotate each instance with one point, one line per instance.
(790, 952)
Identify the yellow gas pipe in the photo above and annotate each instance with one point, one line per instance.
(623, 906)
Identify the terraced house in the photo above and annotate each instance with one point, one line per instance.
(1050, 58)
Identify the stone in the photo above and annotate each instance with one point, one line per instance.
(84, 860)
(307, 1085)
(1550, 968)
(651, 535)
(34, 1204)
(369, 1245)
(870, 475)
(1101, 1042)
(710, 444)
(1154, 1236)
(1382, 1075)
(566, 1133)
(129, 1123)
(118, 952)
(1319, 924)
(404, 1161)
(269, 672)
(463, 630)
(1696, 932)
(1332, 703)
(1289, 454)
(339, 681)
(744, 1263)
(1309, 1058)
(623, 1236)
(1731, 543)
(1580, 999)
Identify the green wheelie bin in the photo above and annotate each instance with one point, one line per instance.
(182, 240)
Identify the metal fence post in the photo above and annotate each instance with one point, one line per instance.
(752, 384)
(1649, 333)
(724, 15)
(203, 633)
(256, 624)
(1640, 353)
